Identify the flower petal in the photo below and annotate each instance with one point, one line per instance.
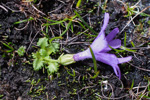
(124, 59)
(100, 42)
(109, 59)
(117, 71)
(105, 23)
(112, 34)
(106, 20)
(114, 44)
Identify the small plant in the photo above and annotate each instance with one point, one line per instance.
(99, 48)
(42, 57)
(35, 90)
(131, 10)
(21, 51)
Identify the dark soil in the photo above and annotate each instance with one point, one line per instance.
(18, 80)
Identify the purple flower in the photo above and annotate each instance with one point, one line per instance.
(100, 47)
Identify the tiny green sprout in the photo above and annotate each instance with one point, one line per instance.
(78, 3)
(21, 51)
(125, 39)
(73, 75)
(25, 20)
(94, 60)
(9, 46)
(132, 84)
(61, 22)
(40, 90)
(148, 22)
(28, 0)
(1, 95)
(130, 11)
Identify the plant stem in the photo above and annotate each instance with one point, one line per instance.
(50, 60)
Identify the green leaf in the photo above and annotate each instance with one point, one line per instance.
(43, 42)
(132, 84)
(95, 76)
(94, 60)
(8, 45)
(117, 51)
(55, 46)
(127, 49)
(38, 61)
(52, 48)
(67, 28)
(36, 55)
(21, 51)
(43, 52)
(54, 22)
(125, 39)
(74, 73)
(143, 14)
(25, 20)
(132, 44)
(37, 64)
(52, 67)
(50, 41)
(78, 3)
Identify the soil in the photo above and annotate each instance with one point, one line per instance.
(18, 80)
